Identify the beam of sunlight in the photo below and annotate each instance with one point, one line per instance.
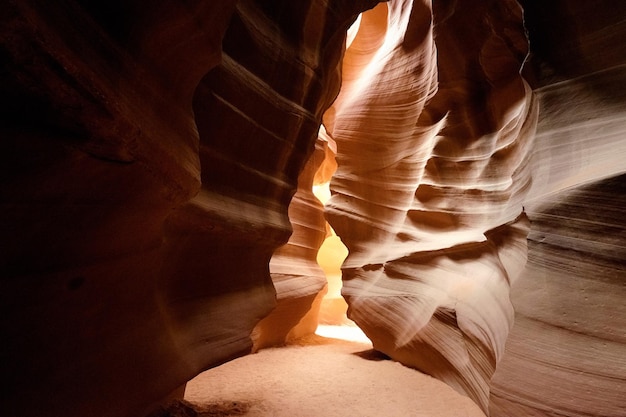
(350, 333)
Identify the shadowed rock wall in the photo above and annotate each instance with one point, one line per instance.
(149, 155)
(577, 68)
(566, 354)
(98, 146)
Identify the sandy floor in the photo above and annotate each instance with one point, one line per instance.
(323, 377)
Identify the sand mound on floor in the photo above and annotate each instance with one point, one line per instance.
(323, 377)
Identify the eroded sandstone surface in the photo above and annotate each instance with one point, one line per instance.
(149, 156)
(433, 126)
(566, 353)
(156, 214)
(299, 280)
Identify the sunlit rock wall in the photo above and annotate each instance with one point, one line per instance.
(566, 353)
(149, 155)
(434, 127)
(299, 281)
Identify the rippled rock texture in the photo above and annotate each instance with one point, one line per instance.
(299, 281)
(149, 156)
(433, 126)
(566, 353)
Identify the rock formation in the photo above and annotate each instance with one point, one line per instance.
(99, 147)
(149, 158)
(299, 281)
(565, 355)
(433, 128)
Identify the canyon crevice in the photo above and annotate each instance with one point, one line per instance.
(157, 217)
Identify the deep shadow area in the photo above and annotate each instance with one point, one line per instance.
(576, 38)
(183, 408)
(372, 355)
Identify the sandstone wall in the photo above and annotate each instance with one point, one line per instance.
(149, 155)
(434, 127)
(299, 281)
(565, 355)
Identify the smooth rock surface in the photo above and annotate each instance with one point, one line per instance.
(434, 126)
(299, 280)
(149, 156)
(98, 146)
(566, 354)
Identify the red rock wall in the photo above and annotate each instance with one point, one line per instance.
(99, 146)
(299, 281)
(149, 158)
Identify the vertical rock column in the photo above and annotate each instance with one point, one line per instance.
(433, 129)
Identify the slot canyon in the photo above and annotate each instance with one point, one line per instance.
(160, 213)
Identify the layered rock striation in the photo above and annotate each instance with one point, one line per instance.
(156, 214)
(565, 355)
(434, 126)
(98, 147)
(149, 158)
(299, 280)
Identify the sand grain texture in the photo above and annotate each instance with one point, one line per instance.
(327, 377)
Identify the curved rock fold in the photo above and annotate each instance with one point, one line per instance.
(433, 140)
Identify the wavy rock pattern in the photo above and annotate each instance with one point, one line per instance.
(565, 355)
(299, 281)
(149, 158)
(98, 146)
(434, 126)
